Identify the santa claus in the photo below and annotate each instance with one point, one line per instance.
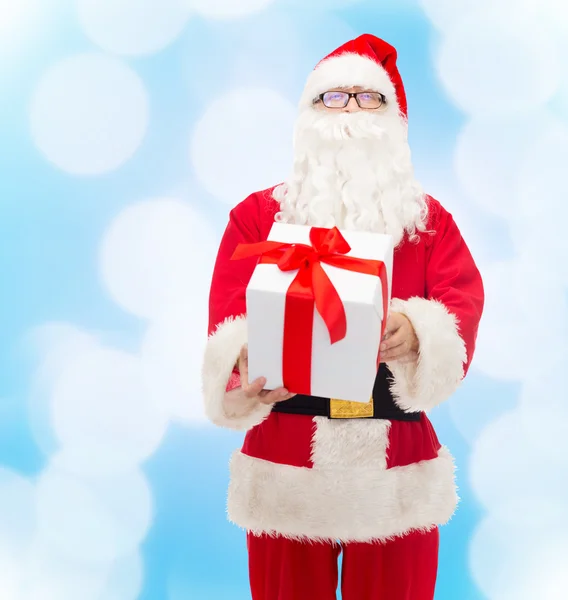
(316, 477)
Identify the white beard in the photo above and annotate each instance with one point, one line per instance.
(353, 171)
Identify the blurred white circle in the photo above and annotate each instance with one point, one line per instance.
(126, 579)
(561, 99)
(474, 405)
(54, 575)
(445, 14)
(172, 354)
(12, 571)
(226, 9)
(14, 16)
(489, 158)
(515, 562)
(132, 27)
(89, 114)
(267, 51)
(322, 4)
(543, 408)
(471, 222)
(96, 518)
(17, 512)
(517, 295)
(542, 174)
(495, 553)
(51, 345)
(243, 143)
(100, 406)
(157, 254)
(492, 68)
(87, 460)
(553, 15)
(538, 228)
(539, 242)
(22, 22)
(56, 341)
(515, 478)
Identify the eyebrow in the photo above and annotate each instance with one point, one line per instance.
(357, 88)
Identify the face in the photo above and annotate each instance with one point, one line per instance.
(352, 167)
(369, 100)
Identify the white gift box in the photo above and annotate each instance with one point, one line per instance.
(345, 370)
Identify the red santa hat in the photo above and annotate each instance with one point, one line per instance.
(366, 61)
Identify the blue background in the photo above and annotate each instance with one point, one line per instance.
(53, 221)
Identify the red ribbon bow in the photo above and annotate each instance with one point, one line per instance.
(311, 287)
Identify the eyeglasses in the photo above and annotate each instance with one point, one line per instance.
(367, 100)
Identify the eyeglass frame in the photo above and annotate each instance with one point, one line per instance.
(349, 96)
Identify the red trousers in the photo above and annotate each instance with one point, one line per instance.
(402, 569)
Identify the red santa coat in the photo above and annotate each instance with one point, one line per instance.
(348, 479)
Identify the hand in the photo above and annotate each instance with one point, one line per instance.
(400, 342)
(256, 388)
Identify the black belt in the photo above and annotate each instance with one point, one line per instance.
(384, 406)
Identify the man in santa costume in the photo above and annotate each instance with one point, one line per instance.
(317, 476)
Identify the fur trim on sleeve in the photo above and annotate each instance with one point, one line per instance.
(442, 354)
(221, 354)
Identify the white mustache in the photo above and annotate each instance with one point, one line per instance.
(345, 126)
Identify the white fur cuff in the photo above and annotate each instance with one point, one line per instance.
(442, 354)
(221, 353)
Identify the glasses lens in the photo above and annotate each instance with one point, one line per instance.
(335, 99)
(370, 100)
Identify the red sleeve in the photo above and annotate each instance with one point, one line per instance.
(445, 320)
(453, 279)
(230, 278)
(227, 321)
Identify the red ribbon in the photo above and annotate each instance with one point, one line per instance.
(312, 288)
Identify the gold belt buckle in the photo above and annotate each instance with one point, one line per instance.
(346, 409)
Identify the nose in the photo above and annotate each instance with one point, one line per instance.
(352, 106)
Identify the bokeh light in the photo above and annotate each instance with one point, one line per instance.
(154, 253)
(129, 130)
(89, 114)
(511, 325)
(171, 356)
(492, 68)
(248, 133)
(226, 9)
(93, 518)
(100, 404)
(132, 27)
